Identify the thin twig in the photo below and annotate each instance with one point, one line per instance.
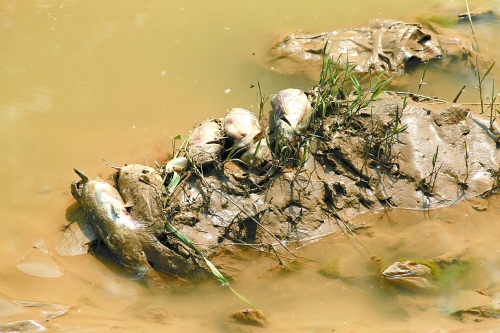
(477, 103)
(459, 93)
(111, 165)
(349, 229)
(420, 96)
(476, 46)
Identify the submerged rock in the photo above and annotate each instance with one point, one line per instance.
(39, 262)
(77, 236)
(248, 320)
(48, 310)
(467, 301)
(410, 275)
(22, 326)
(249, 316)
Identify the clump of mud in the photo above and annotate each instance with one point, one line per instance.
(415, 156)
(279, 181)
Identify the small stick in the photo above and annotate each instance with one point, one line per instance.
(254, 247)
(349, 229)
(459, 93)
(420, 96)
(477, 103)
(111, 165)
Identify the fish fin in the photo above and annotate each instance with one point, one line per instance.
(82, 176)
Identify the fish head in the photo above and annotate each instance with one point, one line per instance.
(77, 189)
(206, 142)
(242, 127)
(78, 184)
(291, 111)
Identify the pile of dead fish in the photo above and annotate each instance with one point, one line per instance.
(290, 117)
(130, 218)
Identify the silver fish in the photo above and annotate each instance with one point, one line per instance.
(291, 112)
(133, 242)
(112, 222)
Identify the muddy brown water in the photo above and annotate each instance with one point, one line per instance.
(116, 80)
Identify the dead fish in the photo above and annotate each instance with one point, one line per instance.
(257, 154)
(112, 222)
(132, 241)
(140, 188)
(242, 127)
(177, 164)
(291, 112)
(206, 142)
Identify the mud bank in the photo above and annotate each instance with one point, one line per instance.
(443, 155)
(392, 155)
(392, 47)
(389, 153)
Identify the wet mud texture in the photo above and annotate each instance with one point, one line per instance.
(444, 154)
(388, 46)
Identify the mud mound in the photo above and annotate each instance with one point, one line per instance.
(442, 155)
(282, 180)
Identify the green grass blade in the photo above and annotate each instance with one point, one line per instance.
(241, 296)
(256, 151)
(476, 46)
(170, 228)
(215, 271)
(381, 87)
(434, 157)
(174, 182)
(211, 266)
(488, 71)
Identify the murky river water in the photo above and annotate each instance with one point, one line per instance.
(82, 81)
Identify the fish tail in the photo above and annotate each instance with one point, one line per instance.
(82, 176)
